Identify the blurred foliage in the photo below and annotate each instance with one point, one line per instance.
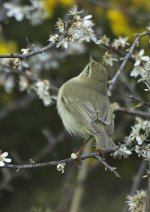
(39, 190)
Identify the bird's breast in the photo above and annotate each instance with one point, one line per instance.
(67, 119)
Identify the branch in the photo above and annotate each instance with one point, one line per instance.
(139, 100)
(134, 112)
(106, 165)
(46, 164)
(126, 58)
(66, 161)
(32, 53)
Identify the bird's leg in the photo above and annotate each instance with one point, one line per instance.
(100, 151)
(78, 153)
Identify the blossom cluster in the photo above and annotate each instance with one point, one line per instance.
(41, 87)
(142, 68)
(137, 141)
(34, 12)
(136, 202)
(140, 135)
(34, 66)
(108, 58)
(42, 90)
(79, 30)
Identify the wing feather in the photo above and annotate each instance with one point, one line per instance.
(89, 112)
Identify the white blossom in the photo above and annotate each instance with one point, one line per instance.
(14, 10)
(34, 12)
(64, 43)
(87, 22)
(80, 29)
(120, 42)
(75, 48)
(136, 202)
(4, 159)
(108, 59)
(104, 40)
(53, 38)
(60, 25)
(122, 151)
(73, 156)
(137, 71)
(61, 167)
(139, 135)
(9, 83)
(74, 11)
(23, 83)
(139, 57)
(25, 51)
(42, 90)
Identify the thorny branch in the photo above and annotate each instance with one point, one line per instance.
(94, 155)
(106, 165)
(32, 53)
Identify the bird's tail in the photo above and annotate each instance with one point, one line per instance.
(103, 141)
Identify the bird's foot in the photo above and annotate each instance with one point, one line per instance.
(101, 152)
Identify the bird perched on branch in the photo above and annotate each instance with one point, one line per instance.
(84, 106)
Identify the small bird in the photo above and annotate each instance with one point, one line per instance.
(84, 106)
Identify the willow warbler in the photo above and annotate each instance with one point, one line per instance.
(84, 106)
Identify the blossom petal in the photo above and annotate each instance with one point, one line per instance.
(5, 154)
(145, 58)
(7, 160)
(141, 52)
(137, 63)
(2, 163)
(87, 17)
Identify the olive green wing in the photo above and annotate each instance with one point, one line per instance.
(91, 110)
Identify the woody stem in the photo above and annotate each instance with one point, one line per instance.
(82, 147)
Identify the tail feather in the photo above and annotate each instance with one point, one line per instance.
(103, 141)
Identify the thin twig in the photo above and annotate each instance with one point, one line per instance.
(106, 165)
(139, 100)
(139, 113)
(66, 161)
(32, 53)
(46, 164)
(126, 58)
